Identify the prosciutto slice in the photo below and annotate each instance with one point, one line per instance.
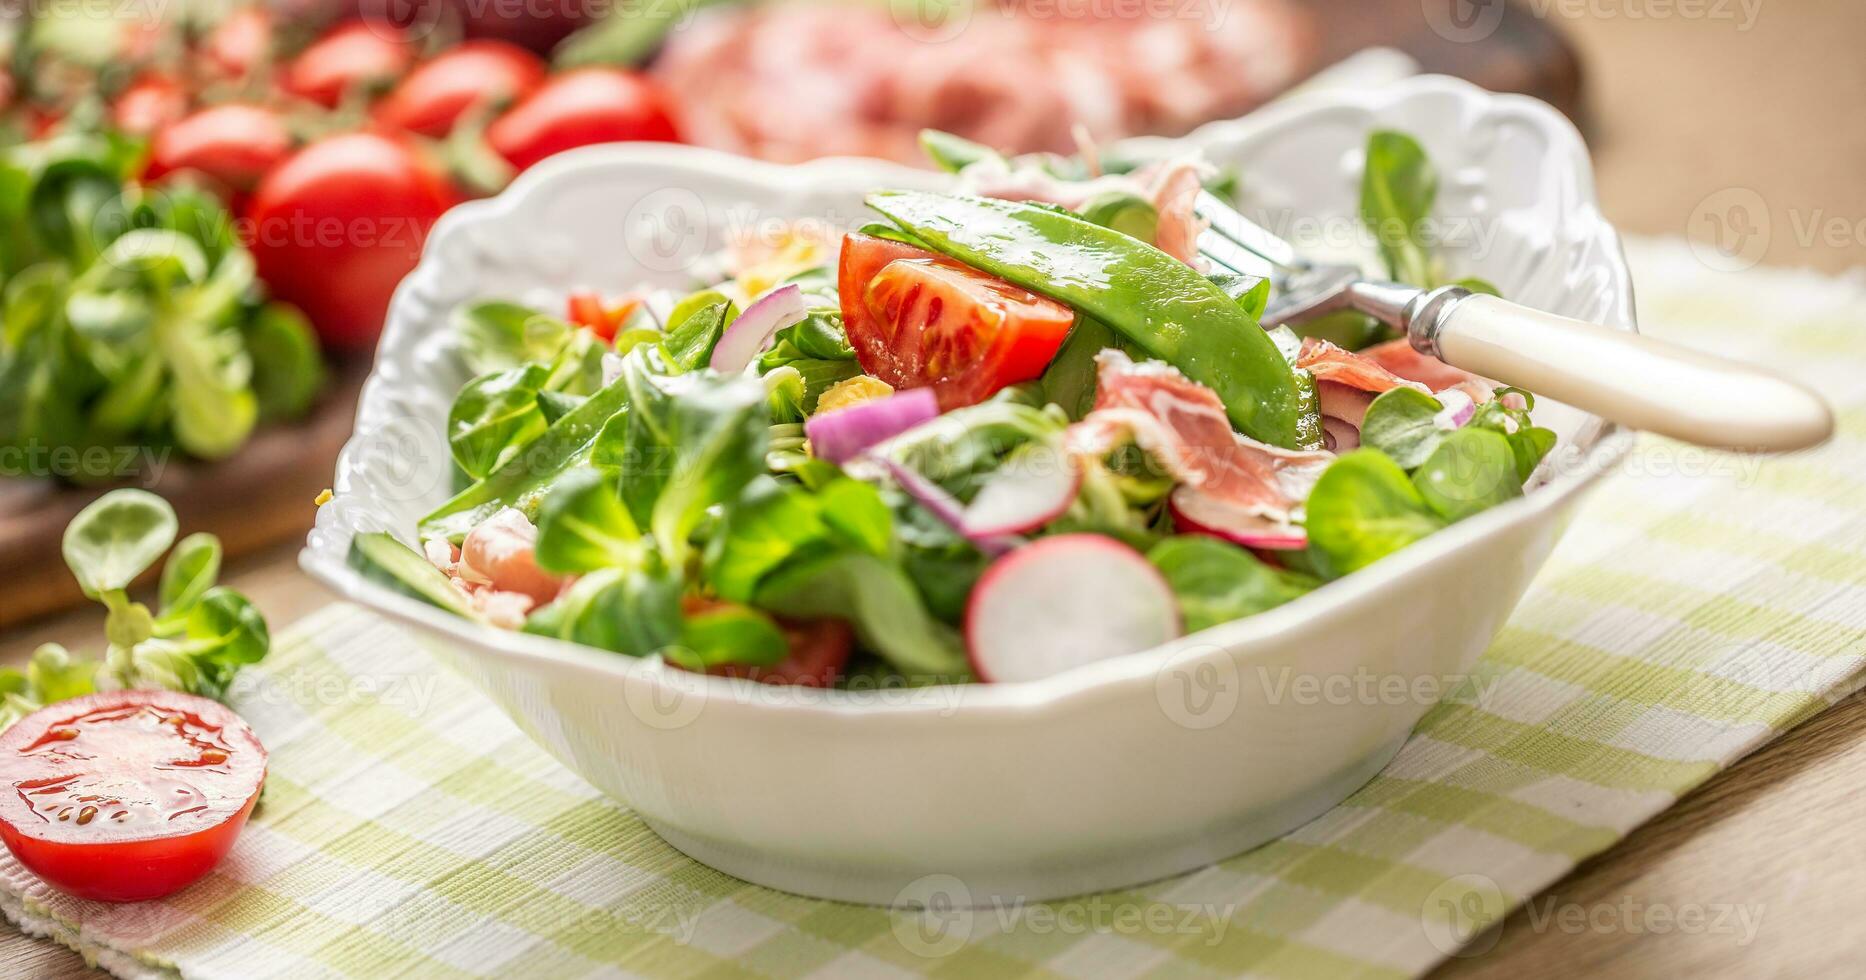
(1402, 360)
(1340, 366)
(497, 569)
(1347, 382)
(1183, 425)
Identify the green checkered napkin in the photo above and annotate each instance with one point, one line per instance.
(1700, 605)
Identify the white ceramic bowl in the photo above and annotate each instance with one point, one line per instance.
(1119, 772)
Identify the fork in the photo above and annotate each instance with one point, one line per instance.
(1618, 375)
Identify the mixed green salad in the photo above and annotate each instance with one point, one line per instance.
(994, 435)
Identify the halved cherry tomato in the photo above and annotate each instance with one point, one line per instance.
(336, 227)
(434, 96)
(234, 144)
(241, 42)
(354, 54)
(580, 108)
(919, 320)
(148, 104)
(588, 310)
(127, 795)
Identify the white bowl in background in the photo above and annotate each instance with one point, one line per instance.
(1119, 772)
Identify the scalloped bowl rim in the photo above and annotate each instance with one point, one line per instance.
(1101, 679)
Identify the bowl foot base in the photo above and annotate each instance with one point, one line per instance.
(1010, 886)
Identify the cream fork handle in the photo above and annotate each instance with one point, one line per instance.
(1633, 380)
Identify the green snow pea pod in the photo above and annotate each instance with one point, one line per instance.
(1160, 303)
(527, 477)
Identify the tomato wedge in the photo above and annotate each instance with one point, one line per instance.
(127, 795)
(589, 311)
(917, 319)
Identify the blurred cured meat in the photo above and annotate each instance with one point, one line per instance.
(793, 81)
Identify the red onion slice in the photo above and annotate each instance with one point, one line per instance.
(946, 508)
(842, 434)
(1459, 408)
(751, 333)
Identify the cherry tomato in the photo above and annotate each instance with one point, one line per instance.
(917, 319)
(434, 96)
(353, 54)
(234, 144)
(579, 108)
(127, 795)
(241, 42)
(148, 104)
(336, 227)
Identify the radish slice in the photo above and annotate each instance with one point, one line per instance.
(1197, 513)
(748, 335)
(1065, 601)
(945, 507)
(1030, 490)
(840, 435)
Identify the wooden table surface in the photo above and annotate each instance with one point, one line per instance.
(1688, 100)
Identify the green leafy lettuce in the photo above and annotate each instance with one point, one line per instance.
(131, 316)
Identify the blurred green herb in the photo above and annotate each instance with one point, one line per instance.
(131, 317)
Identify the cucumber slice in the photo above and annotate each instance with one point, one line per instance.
(386, 561)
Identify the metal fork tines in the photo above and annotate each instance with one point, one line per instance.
(1300, 289)
(1242, 245)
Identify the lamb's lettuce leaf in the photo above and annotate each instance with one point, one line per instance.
(1472, 470)
(687, 443)
(1407, 425)
(882, 603)
(1217, 582)
(1398, 189)
(1363, 509)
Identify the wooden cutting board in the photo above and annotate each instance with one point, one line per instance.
(263, 495)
